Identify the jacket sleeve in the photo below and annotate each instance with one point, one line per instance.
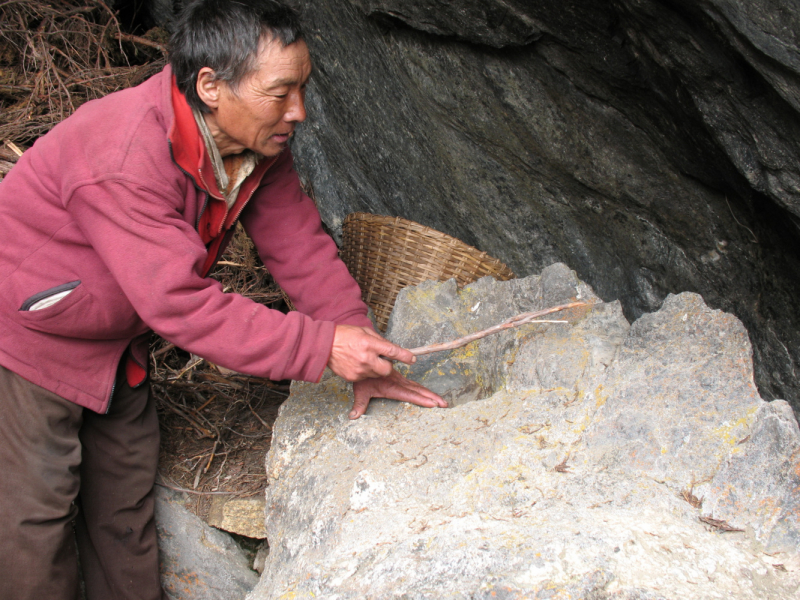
(156, 257)
(286, 228)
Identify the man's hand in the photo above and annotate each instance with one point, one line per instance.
(360, 353)
(395, 387)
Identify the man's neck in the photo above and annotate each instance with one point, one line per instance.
(225, 144)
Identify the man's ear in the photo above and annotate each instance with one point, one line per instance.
(208, 87)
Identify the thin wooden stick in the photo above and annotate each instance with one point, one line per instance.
(522, 319)
(208, 464)
(263, 422)
(163, 350)
(180, 489)
(207, 402)
(140, 40)
(13, 147)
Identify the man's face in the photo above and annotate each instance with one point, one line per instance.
(267, 106)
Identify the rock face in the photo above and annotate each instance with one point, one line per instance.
(652, 146)
(585, 460)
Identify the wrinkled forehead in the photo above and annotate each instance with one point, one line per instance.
(278, 65)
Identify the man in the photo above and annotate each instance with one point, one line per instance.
(110, 224)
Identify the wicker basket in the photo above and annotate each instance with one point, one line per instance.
(386, 254)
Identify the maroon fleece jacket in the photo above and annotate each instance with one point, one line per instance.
(100, 206)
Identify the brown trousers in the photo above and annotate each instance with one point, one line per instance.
(69, 474)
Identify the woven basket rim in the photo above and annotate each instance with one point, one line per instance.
(424, 229)
(386, 253)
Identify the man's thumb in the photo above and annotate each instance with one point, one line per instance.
(359, 407)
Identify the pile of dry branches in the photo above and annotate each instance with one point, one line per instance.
(57, 54)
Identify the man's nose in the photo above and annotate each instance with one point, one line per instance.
(296, 112)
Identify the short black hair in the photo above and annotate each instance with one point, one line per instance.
(224, 35)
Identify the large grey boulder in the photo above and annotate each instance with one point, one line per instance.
(653, 146)
(585, 460)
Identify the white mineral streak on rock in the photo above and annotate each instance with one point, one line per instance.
(286, 449)
(365, 491)
(576, 462)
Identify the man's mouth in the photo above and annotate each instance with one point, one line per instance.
(282, 137)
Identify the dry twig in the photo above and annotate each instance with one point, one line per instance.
(522, 319)
(562, 467)
(689, 496)
(180, 489)
(719, 524)
(140, 40)
(14, 148)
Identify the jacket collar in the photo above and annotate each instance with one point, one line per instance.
(188, 148)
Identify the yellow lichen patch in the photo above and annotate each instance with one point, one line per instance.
(465, 352)
(585, 422)
(421, 296)
(600, 397)
(732, 432)
(468, 295)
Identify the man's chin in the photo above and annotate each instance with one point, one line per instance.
(271, 149)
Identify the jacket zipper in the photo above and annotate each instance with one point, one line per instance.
(207, 189)
(111, 397)
(121, 357)
(65, 289)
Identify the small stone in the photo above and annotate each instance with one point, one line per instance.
(244, 516)
(260, 560)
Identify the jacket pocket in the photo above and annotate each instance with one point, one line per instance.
(50, 297)
(80, 314)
